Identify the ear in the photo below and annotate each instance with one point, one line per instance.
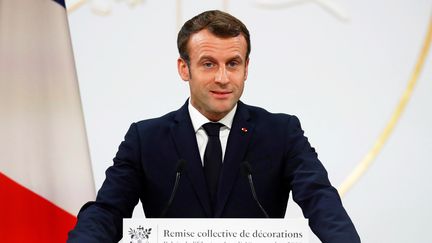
(183, 69)
(246, 69)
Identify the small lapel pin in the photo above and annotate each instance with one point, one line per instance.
(244, 129)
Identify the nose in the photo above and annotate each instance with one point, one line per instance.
(221, 75)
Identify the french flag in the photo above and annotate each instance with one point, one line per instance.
(45, 169)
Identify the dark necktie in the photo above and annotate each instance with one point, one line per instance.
(212, 158)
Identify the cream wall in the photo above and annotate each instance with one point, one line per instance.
(340, 65)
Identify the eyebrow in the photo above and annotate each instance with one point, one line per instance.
(236, 57)
(205, 57)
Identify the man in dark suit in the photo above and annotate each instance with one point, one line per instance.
(216, 143)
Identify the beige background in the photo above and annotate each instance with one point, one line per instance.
(340, 65)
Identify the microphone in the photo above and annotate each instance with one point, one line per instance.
(247, 170)
(180, 167)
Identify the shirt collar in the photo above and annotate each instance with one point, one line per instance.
(199, 119)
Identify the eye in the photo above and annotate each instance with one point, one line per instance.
(208, 64)
(233, 64)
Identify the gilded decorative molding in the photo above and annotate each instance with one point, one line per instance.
(100, 7)
(328, 5)
(370, 157)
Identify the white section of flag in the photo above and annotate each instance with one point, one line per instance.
(42, 134)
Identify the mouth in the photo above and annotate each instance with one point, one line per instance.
(221, 94)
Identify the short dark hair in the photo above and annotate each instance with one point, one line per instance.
(218, 23)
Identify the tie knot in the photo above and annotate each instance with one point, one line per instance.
(212, 128)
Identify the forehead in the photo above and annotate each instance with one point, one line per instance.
(205, 43)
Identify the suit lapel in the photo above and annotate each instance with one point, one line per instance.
(185, 139)
(238, 140)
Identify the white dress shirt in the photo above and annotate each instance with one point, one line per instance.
(199, 119)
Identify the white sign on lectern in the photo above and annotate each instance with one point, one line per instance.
(215, 231)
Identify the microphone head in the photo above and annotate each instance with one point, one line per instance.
(181, 164)
(246, 168)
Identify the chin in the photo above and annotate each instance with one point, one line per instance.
(223, 109)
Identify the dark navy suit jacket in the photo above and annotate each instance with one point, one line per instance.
(280, 156)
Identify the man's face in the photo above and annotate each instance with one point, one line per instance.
(218, 70)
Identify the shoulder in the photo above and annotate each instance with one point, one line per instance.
(165, 120)
(261, 115)
(154, 125)
(157, 121)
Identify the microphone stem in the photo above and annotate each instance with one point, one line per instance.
(255, 196)
(172, 194)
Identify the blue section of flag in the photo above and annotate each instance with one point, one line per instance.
(61, 2)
